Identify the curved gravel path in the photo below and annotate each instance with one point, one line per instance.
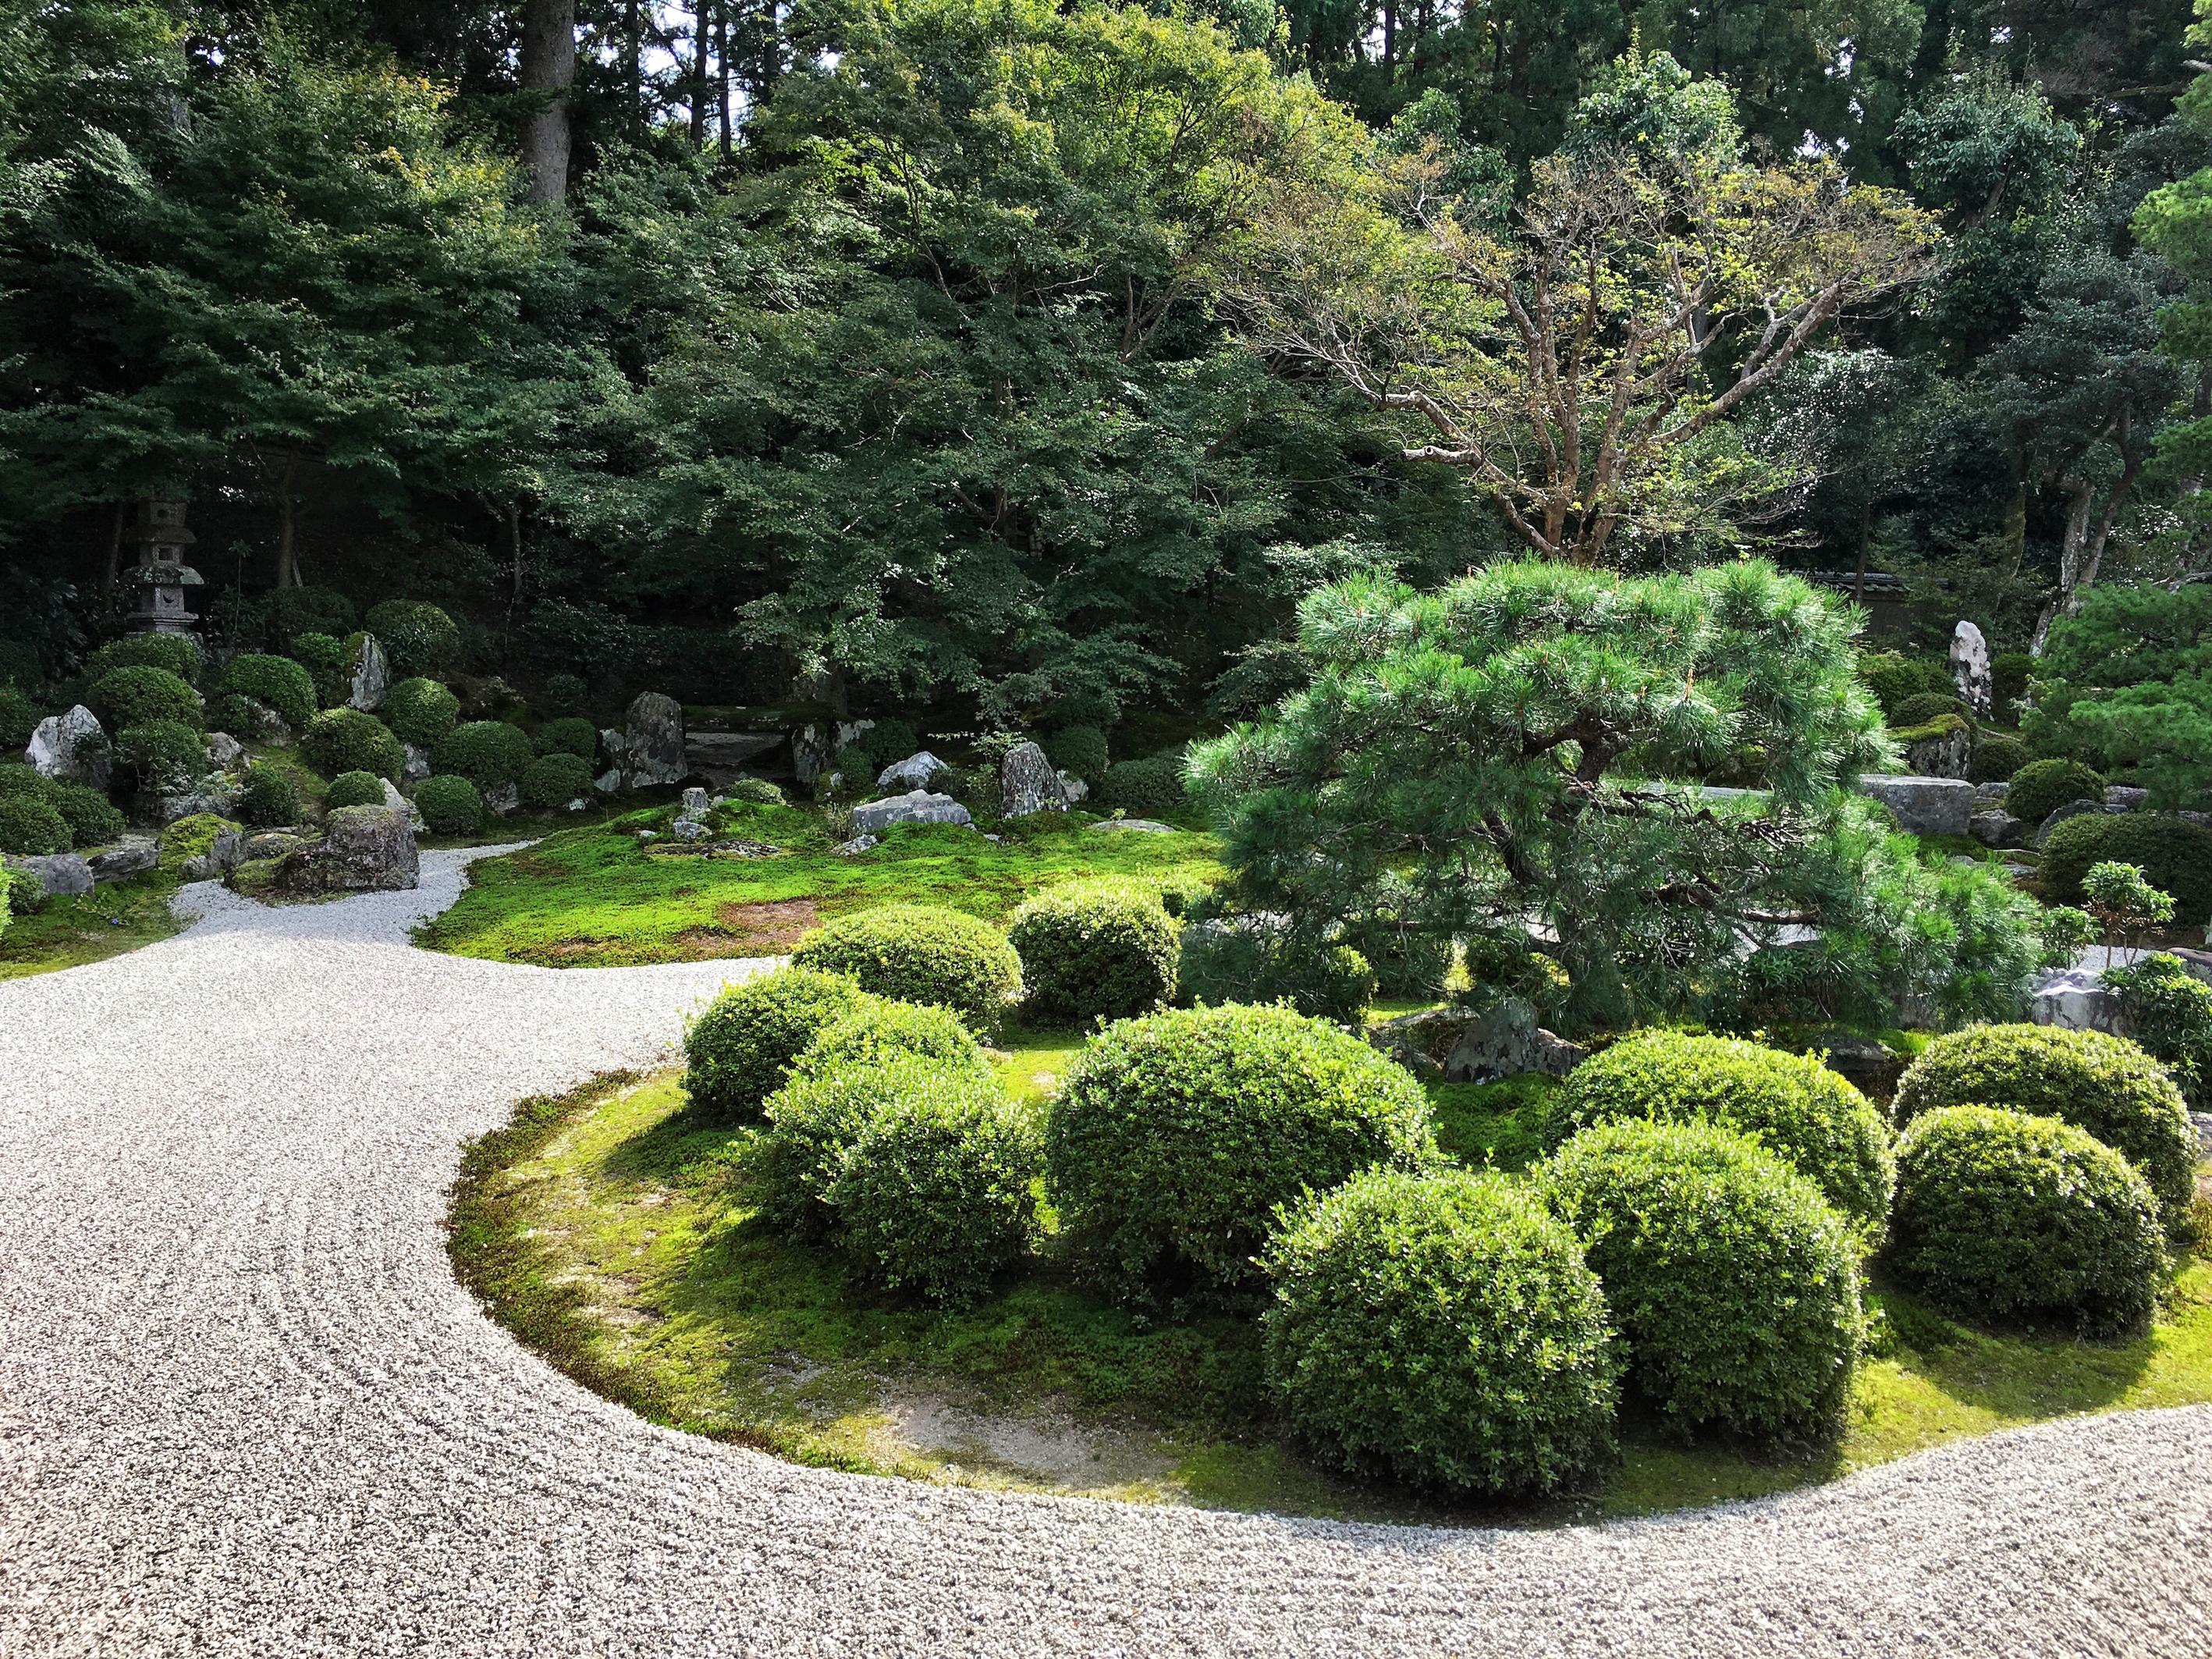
(244, 1408)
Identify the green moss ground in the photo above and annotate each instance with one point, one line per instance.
(597, 896)
(68, 932)
(617, 1234)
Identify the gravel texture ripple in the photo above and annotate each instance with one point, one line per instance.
(245, 1409)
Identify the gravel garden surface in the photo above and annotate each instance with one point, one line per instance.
(245, 1408)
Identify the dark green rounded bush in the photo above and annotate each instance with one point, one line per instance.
(420, 712)
(567, 694)
(933, 1196)
(277, 683)
(240, 716)
(346, 741)
(875, 1028)
(19, 778)
(1098, 950)
(1735, 1282)
(488, 753)
(267, 797)
(1078, 749)
(162, 754)
(19, 719)
(174, 653)
(741, 1047)
(1792, 1104)
(450, 806)
(1177, 1135)
(1924, 706)
(882, 743)
(140, 695)
(1443, 1328)
(2010, 673)
(417, 637)
(289, 612)
(554, 779)
(2175, 854)
(92, 818)
(2041, 787)
(570, 735)
(355, 789)
(1893, 678)
(921, 953)
(323, 657)
(29, 826)
(1143, 788)
(814, 1121)
(1997, 759)
(2003, 1215)
(2101, 1084)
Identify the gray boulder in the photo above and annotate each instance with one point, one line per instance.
(364, 849)
(416, 765)
(1947, 756)
(852, 849)
(1465, 1046)
(129, 858)
(695, 800)
(915, 806)
(688, 830)
(2121, 798)
(1989, 794)
(1925, 805)
(394, 801)
(1028, 783)
(224, 854)
(1970, 667)
(371, 674)
(914, 772)
(71, 746)
(503, 798)
(271, 844)
(212, 793)
(2073, 809)
(2077, 1000)
(55, 875)
(1141, 826)
(1998, 828)
(652, 741)
(226, 751)
(1075, 789)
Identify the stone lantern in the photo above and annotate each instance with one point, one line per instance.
(162, 575)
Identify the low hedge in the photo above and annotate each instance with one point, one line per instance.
(921, 953)
(2004, 1215)
(554, 779)
(421, 711)
(1095, 951)
(347, 740)
(2102, 1084)
(1735, 1282)
(1443, 1328)
(1176, 1136)
(569, 735)
(2041, 787)
(267, 797)
(488, 753)
(738, 1050)
(1794, 1106)
(2173, 853)
(275, 683)
(30, 827)
(141, 695)
(355, 789)
(450, 806)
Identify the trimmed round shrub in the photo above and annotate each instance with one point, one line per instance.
(814, 1121)
(2010, 673)
(1793, 1105)
(417, 637)
(289, 612)
(2005, 1215)
(1735, 1282)
(488, 753)
(2041, 787)
(1078, 749)
(1922, 707)
(267, 797)
(570, 735)
(161, 754)
(1143, 788)
(346, 741)
(325, 658)
(567, 694)
(1177, 1135)
(92, 818)
(355, 789)
(921, 953)
(933, 1196)
(1995, 760)
(2102, 1084)
(554, 779)
(420, 712)
(277, 683)
(20, 778)
(2174, 855)
(240, 716)
(1096, 950)
(756, 792)
(738, 1050)
(1443, 1328)
(876, 1030)
(175, 653)
(19, 719)
(450, 806)
(1893, 678)
(139, 695)
(30, 827)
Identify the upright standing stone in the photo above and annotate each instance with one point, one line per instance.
(652, 742)
(1970, 667)
(71, 747)
(372, 676)
(1027, 783)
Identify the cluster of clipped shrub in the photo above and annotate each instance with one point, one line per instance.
(347, 740)
(51, 815)
(1095, 951)
(921, 953)
(1147, 788)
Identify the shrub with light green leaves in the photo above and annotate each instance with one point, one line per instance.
(141, 695)
(2041, 787)
(740, 1049)
(875, 1030)
(554, 779)
(29, 826)
(1095, 950)
(275, 683)
(1733, 1281)
(2169, 1009)
(814, 1120)
(450, 806)
(2002, 1215)
(418, 638)
(1441, 1328)
(1176, 1136)
(1792, 1104)
(570, 735)
(921, 953)
(323, 657)
(934, 1195)
(347, 740)
(488, 753)
(422, 712)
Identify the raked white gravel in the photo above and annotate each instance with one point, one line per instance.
(245, 1409)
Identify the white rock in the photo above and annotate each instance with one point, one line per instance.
(695, 799)
(371, 677)
(914, 772)
(395, 802)
(1969, 666)
(858, 844)
(1073, 787)
(416, 765)
(225, 750)
(1027, 783)
(70, 746)
(2077, 1000)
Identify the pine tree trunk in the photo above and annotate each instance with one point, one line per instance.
(549, 65)
(722, 67)
(701, 25)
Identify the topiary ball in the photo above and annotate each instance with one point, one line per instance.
(355, 789)
(162, 754)
(554, 779)
(756, 792)
(267, 797)
(417, 637)
(567, 694)
(933, 1196)
(1792, 1104)
(1149, 787)
(1922, 707)
(1096, 950)
(1735, 1282)
(176, 654)
(2041, 787)
(488, 753)
(814, 1121)
(275, 683)
(570, 735)
(1997, 759)
(1177, 1135)
(1078, 749)
(2173, 853)
(347, 740)
(921, 953)
(92, 818)
(875, 1028)
(289, 612)
(140, 695)
(450, 806)
(422, 712)
(1441, 1326)
(739, 1051)
(2102, 1084)
(30, 828)
(2004, 1215)
(324, 656)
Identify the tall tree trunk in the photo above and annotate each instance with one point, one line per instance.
(549, 65)
(702, 22)
(288, 519)
(113, 572)
(634, 61)
(722, 73)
